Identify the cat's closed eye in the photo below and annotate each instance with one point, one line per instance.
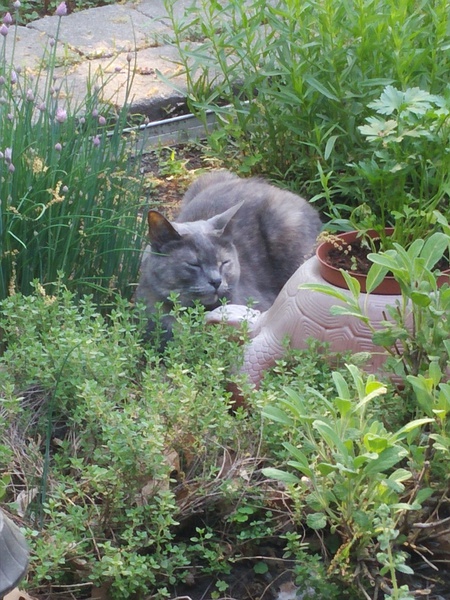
(193, 264)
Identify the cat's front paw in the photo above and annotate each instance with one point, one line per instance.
(234, 315)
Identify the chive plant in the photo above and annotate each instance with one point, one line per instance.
(69, 193)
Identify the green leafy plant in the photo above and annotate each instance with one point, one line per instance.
(104, 458)
(290, 82)
(128, 478)
(416, 329)
(408, 170)
(70, 196)
(311, 577)
(211, 551)
(415, 333)
(392, 562)
(351, 471)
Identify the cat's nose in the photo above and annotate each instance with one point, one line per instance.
(215, 282)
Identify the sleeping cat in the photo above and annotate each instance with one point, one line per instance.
(235, 239)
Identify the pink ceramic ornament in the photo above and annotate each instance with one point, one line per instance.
(299, 314)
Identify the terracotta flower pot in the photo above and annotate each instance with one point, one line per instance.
(333, 275)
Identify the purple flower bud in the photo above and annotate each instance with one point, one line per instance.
(95, 113)
(10, 117)
(52, 42)
(2, 80)
(13, 77)
(11, 168)
(101, 120)
(42, 107)
(117, 69)
(30, 96)
(129, 57)
(3, 100)
(65, 189)
(8, 154)
(7, 19)
(3, 30)
(96, 141)
(61, 115)
(17, 4)
(58, 147)
(61, 11)
(18, 70)
(82, 120)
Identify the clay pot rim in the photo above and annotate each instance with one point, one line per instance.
(333, 275)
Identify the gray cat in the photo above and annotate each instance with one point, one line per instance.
(235, 239)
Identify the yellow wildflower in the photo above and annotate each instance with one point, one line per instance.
(12, 288)
(38, 165)
(56, 196)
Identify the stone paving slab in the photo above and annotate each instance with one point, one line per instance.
(148, 96)
(97, 42)
(105, 31)
(155, 9)
(29, 49)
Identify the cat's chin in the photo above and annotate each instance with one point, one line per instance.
(213, 301)
(211, 305)
(209, 301)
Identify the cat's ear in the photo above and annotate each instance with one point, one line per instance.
(160, 230)
(221, 221)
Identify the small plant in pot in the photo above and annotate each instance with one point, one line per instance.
(407, 181)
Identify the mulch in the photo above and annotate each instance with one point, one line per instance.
(169, 172)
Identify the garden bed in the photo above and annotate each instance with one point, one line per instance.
(130, 470)
(168, 172)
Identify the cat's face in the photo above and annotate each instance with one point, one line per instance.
(193, 260)
(196, 268)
